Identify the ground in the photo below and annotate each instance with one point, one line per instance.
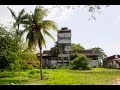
(96, 76)
(116, 82)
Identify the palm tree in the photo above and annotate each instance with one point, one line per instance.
(19, 20)
(37, 28)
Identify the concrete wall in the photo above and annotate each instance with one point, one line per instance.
(93, 63)
(64, 34)
(112, 64)
(64, 41)
(64, 37)
(53, 63)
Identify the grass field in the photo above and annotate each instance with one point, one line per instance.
(96, 76)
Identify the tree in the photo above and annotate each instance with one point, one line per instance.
(19, 20)
(100, 52)
(80, 62)
(76, 47)
(8, 50)
(37, 28)
(56, 49)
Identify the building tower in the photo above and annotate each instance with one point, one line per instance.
(64, 40)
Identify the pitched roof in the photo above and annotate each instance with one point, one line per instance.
(113, 57)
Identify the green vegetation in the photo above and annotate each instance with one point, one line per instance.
(100, 52)
(19, 63)
(95, 76)
(37, 29)
(80, 62)
(76, 47)
(14, 54)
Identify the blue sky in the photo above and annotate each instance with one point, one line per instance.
(103, 32)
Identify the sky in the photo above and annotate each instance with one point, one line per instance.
(104, 32)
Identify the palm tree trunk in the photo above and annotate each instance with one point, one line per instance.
(40, 47)
(18, 30)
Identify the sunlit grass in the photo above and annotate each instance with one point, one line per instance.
(96, 76)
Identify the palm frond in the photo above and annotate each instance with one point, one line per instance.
(48, 34)
(37, 27)
(25, 18)
(21, 13)
(42, 39)
(40, 13)
(14, 24)
(13, 13)
(48, 24)
(30, 39)
(23, 31)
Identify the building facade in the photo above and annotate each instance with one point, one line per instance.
(63, 58)
(112, 61)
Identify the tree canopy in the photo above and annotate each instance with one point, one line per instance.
(76, 47)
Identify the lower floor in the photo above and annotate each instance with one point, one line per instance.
(54, 63)
(111, 64)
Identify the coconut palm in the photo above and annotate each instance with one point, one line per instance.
(19, 19)
(37, 29)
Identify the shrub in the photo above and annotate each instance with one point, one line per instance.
(63, 67)
(53, 67)
(80, 63)
(32, 72)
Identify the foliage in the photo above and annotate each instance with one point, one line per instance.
(13, 55)
(74, 55)
(29, 59)
(76, 47)
(101, 54)
(19, 20)
(8, 48)
(34, 71)
(56, 49)
(37, 29)
(80, 62)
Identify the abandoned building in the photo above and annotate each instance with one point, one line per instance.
(112, 61)
(64, 39)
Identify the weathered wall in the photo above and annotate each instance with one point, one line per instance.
(93, 63)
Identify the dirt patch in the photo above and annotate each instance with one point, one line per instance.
(117, 82)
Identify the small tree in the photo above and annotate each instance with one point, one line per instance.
(76, 47)
(101, 54)
(80, 62)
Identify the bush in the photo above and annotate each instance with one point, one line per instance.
(53, 67)
(80, 63)
(32, 72)
(62, 67)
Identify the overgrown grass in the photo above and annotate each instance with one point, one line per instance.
(96, 76)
